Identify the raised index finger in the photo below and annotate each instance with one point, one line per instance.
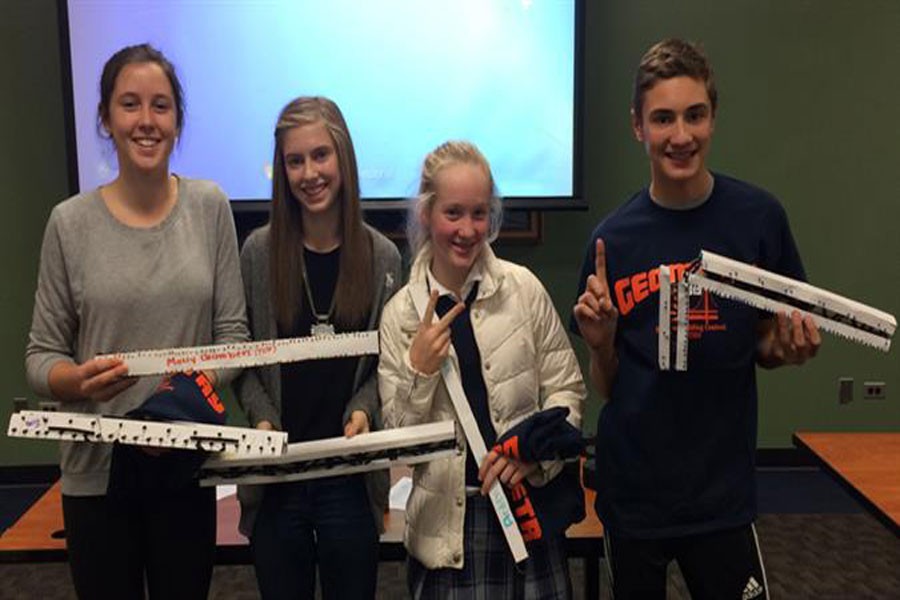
(600, 261)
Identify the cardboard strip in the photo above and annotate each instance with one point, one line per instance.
(248, 354)
(664, 327)
(799, 295)
(771, 292)
(743, 296)
(682, 323)
(80, 427)
(336, 456)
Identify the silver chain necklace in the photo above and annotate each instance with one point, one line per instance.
(322, 326)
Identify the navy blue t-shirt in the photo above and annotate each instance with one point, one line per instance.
(675, 450)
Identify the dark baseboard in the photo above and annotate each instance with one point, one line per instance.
(783, 458)
(766, 458)
(28, 474)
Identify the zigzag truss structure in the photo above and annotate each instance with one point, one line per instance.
(246, 455)
(80, 427)
(764, 290)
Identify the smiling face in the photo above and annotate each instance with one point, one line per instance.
(676, 126)
(312, 168)
(458, 221)
(142, 118)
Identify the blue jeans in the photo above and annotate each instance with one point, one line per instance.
(322, 522)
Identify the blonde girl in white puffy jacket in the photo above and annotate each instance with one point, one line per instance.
(497, 322)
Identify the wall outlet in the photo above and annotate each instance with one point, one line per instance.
(845, 390)
(874, 390)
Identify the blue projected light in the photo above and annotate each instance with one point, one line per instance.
(408, 75)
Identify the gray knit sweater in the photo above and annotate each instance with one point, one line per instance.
(258, 390)
(106, 287)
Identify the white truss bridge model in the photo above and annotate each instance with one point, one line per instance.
(248, 354)
(767, 291)
(237, 445)
(336, 456)
(81, 427)
(245, 455)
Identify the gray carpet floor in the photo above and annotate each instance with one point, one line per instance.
(816, 556)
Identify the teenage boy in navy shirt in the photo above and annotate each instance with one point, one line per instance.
(675, 450)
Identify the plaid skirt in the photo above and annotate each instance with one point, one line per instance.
(489, 572)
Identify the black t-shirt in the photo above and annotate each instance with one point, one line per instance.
(314, 393)
(675, 450)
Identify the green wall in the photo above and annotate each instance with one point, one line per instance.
(33, 172)
(808, 94)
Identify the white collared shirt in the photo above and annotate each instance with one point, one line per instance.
(475, 274)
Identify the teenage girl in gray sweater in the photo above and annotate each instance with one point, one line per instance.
(147, 261)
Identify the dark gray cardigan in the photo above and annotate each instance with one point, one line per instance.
(258, 390)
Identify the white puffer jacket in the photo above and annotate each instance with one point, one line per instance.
(527, 364)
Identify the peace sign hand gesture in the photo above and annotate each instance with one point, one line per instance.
(595, 314)
(431, 345)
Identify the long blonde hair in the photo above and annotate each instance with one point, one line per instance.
(355, 286)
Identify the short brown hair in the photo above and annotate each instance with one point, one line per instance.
(672, 58)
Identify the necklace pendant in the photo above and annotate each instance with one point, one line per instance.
(321, 328)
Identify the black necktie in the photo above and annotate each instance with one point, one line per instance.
(463, 337)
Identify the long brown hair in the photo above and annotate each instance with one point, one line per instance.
(355, 287)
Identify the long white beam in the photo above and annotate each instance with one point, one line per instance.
(336, 456)
(248, 354)
(80, 427)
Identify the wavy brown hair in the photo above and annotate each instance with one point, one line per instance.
(355, 288)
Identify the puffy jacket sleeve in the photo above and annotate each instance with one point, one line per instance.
(406, 394)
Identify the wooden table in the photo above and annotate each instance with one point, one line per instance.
(866, 464)
(38, 536)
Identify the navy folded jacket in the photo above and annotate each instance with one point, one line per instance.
(181, 397)
(551, 508)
